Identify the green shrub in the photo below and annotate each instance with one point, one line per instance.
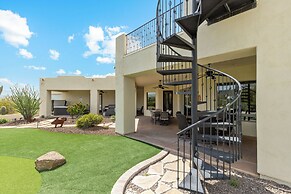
(7, 102)
(3, 110)
(89, 120)
(234, 182)
(77, 109)
(112, 118)
(2, 121)
(26, 101)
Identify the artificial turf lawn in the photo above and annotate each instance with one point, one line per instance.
(18, 175)
(94, 162)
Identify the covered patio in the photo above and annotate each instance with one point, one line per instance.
(166, 138)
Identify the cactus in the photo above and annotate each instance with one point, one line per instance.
(3, 110)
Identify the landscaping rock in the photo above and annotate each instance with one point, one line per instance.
(49, 161)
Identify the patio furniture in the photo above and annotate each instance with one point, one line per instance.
(139, 111)
(58, 121)
(182, 121)
(109, 110)
(156, 115)
(164, 118)
(60, 107)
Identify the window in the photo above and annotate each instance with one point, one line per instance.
(248, 98)
(151, 100)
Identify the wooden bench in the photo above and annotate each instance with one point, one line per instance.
(58, 121)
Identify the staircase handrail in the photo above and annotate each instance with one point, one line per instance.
(219, 111)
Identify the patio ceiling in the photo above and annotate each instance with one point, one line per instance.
(147, 78)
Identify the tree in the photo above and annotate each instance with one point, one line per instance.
(26, 101)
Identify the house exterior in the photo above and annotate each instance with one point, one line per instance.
(96, 92)
(252, 46)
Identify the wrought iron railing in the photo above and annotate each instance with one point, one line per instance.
(217, 143)
(145, 35)
(141, 37)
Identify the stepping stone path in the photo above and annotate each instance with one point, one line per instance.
(159, 178)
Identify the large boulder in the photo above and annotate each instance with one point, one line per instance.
(49, 161)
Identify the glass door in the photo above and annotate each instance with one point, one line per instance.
(168, 101)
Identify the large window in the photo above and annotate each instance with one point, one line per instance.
(151, 100)
(248, 98)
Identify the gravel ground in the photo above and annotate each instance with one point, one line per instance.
(242, 183)
(93, 130)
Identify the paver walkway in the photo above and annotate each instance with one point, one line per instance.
(158, 178)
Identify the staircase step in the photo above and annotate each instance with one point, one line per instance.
(174, 58)
(189, 24)
(179, 42)
(220, 155)
(209, 172)
(209, 7)
(176, 83)
(221, 139)
(174, 71)
(195, 183)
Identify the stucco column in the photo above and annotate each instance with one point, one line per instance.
(94, 98)
(46, 103)
(125, 105)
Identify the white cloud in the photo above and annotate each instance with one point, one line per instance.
(61, 72)
(101, 42)
(14, 29)
(103, 76)
(54, 55)
(35, 67)
(6, 83)
(25, 54)
(71, 38)
(105, 60)
(77, 72)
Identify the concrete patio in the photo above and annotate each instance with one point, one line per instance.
(164, 136)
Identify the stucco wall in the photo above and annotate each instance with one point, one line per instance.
(263, 32)
(75, 89)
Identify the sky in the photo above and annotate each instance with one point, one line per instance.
(50, 38)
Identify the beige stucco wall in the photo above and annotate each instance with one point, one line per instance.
(75, 89)
(263, 32)
(108, 97)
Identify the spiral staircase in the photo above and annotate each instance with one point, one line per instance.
(207, 147)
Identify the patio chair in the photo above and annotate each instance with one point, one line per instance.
(139, 111)
(182, 121)
(164, 118)
(155, 116)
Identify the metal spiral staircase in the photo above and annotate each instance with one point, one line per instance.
(207, 148)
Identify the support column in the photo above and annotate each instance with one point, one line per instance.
(125, 107)
(94, 97)
(46, 103)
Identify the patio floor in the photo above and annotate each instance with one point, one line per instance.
(165, 137)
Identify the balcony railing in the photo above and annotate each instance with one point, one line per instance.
(145, 35)
(141, 37)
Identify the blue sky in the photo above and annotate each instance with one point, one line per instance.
(41, 38)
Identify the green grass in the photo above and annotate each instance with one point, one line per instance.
(18, 175)
(94, 163)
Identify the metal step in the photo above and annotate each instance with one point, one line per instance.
(174, 71)
(220, 155)
(189, 24)
(192, 182)
(174, 58)
(209, 7)
(207, 171)
(176, 83)
(179, 42)
(220, 139)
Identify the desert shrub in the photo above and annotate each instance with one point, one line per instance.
(234, 182)
(3, 110)
(2, 121)
(89, 120)
(26, 101)
(112, 118)
(77, 109)
(7, 102)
